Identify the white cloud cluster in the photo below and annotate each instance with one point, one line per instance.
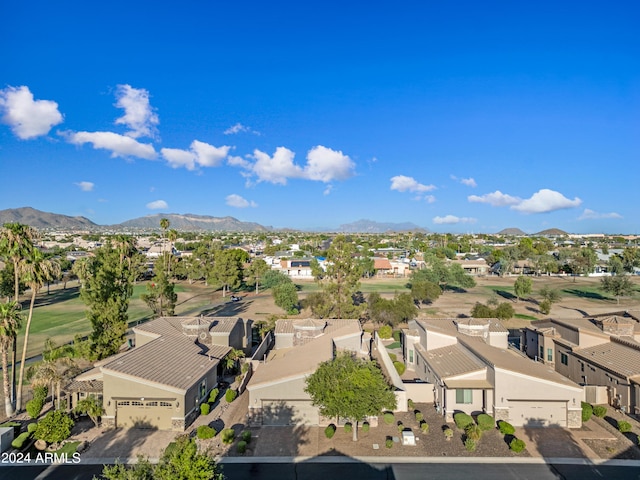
(323, 164)
(452, 220)
(138, 116)
(593, 215)
(199, 154)
(237, 201)
(543, 201)
(85, 186)
(402, 183)
(469, 182)
(118, 145)
(28, 118)
(239, 128)
(158, 205)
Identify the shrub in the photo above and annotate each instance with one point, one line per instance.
(400, 367)
(385, 332)
(485, 422)
(624, 427)
(419, 416)
(388, 442)
(396, 335)
(231, 395)
(18, 442)
(448, 433)
(400, 426)
(40, 392)
(473, 432)
(587, 411)
(228, 434)
(213, 395)
(205, 431)
(388, 418)
(365, 426)
(424, 426)
(410, 404)
(348, 428)
(246, 436)
(517, 445)
(54, 427)
(462, 420)
(599, 411)
(32, 427)
(506, 428)
(34, 407)
(393, 357)
(242, 446)
(330, 431)
(545, 307)
(470, 444)
(205, 408)
(244, 368)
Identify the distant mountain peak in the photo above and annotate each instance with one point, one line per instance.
(371, 226)
(42, 220)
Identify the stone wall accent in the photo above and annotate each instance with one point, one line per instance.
(109, 421)
(178, 424)
(574, 418)
(501, 413)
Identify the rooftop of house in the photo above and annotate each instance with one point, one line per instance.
(613, 356)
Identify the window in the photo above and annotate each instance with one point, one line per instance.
(550, 354)
(136, 404)
(564, 359)
(410, 356)
(152, 404)
(123, 404)
(464, 395)
(581, 367)
(541, 356)
(165, 404)
(203, 388)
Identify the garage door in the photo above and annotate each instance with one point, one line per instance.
(297, 412)
(537, 413)
(144, 414)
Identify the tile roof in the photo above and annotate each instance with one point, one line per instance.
(452, 360)
(615, 357)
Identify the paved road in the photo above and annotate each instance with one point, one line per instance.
(322, 470)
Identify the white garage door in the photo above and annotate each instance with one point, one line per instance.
(293, 412)
(537, 413)
(144, 414)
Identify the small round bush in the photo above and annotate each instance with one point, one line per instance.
(396, 335)
(393, 357)
(365, 427)
(587, 411)
(330, 431)
(424, 427)
(400, 367)
(419, 416)
(205, 408)
(462, 420)
(246, 436)
(506, 428)
(485, 422)
(473, 432)
(385, 332)
(205, 431)
(624, 427)
(231, 395)
(213, 395)
(388, 418)
(242, 446)
(517, 445)
(348, 427)
(18, 442)
(470, 444)
(448, 433)
(410, 404)
(545, 307)
(388, 442)
(600, 411)
(400, 426)
(34, 407)
(228, 436)
(32, 427)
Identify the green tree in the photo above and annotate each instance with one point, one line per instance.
(630, 259)
(480, 310)
(285, 296)
(92, 407)
(227, 270)
(184, 462)
(424, 291)
(549, 297)
(350, 388)
(504, 311)
(522, 286)
(107, 285)
(232, 358)
(9, 324)
(618, 286)
(255, 271)
(160, 296)
(616, 267)
(584, 261)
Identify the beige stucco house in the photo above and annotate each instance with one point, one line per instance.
(276, 389)
(473, 370)
(162, 380)
(602, 350)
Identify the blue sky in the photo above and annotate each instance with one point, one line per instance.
(457, 116)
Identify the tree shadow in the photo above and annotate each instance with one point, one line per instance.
(506, 295)
(229, 309)
(582, 312)
(58, 296)
(583, 294)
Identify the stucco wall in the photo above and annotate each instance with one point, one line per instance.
(438, 340)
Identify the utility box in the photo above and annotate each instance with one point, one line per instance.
(6, 437)
(408, 438)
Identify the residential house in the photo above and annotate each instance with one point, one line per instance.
(297, 267)
(473, 370)
(477, 267)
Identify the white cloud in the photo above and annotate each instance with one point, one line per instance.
(157, 205)
(236, 161)
(495, 199)
(326, 165)
(138, 116)
(199, 154)
(85, 186)
(119, 145)
(544, 201)
(239, 128)
(402, 183)
(469, 182)
(28, 118)
(276, 169)
(234, 200)
(593, 215)
(452, 219)
(327, 189)
(428, 198)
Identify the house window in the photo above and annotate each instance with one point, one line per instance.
(549, 354)
(136, 404)
(152, 404)
(410, 356)
(165, 404)
(581, 367)
(123, 404)
(564, 359)
(541, 356)
(203, 388)
(464, 395)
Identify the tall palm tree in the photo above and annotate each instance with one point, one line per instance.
(16, 243)
(55, 369)
(35, 272)
(9, 324)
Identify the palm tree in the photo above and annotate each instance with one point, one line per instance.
(9, 324)
(55, 369)
(35, 271)
(232, 358)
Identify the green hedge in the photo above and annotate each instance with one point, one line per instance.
(388, 418)
(205, 431)
(419, 416)
(485, 422)
(330, 431)
(424, 426)
(506, 428)
(365, 426)
(517, 445)
(242, 446)
(34, 407)
(205, 408)
(470, 444)
(18, 442)
(388, 442)
(462, 420)
(54, 427)
(599, 411)
(587, 411)
(32, 427)
(245, 436)
(348, 427)
(624, 427)
(385, 332)
(400, 367)
(228, 435)
(231, 395)
(213, 395)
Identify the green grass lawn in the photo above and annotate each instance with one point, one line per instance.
(522, 316)
(389, 286)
